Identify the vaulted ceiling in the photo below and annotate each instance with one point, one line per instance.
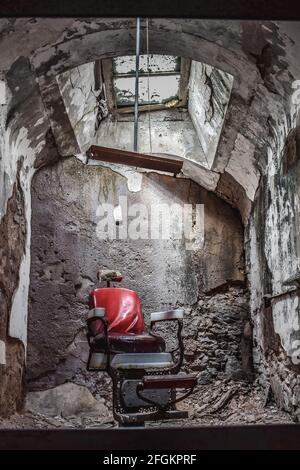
(262, 58)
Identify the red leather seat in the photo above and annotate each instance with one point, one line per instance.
(130, 343)
(126, 327)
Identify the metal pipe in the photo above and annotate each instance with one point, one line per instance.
(268, 298)
(124, 157)
(137, 66)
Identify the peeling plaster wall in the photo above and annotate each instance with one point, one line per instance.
(209, 93)
(26, 140)
(23, 145)
(13, 236)
(261, 58)
(273, 241)
(13, 229)
(66, 254)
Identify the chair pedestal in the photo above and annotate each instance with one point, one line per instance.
(150, 393)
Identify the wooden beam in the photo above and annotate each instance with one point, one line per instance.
(140, 160)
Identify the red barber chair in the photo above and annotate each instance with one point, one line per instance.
(144, 375)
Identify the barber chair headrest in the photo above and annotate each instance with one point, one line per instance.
(108, 275)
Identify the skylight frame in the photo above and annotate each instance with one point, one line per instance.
(108, 75)
(148, 59)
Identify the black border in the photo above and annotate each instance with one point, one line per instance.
(214, 9)
(244, 437)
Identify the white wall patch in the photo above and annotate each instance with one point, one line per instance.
(2, 353)
(2, 92)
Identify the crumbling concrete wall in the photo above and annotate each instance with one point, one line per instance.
(66, 254)
(218, 336)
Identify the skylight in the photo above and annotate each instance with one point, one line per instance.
(159, 80)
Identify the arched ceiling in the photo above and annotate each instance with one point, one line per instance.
(259, 55)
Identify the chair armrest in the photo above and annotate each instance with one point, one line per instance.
(176, 314)
(96, 313)
(169, 315)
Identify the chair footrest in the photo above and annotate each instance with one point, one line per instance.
(142, 361)
(137, 418)
(169, 381)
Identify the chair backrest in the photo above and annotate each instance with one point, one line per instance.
(122, 309)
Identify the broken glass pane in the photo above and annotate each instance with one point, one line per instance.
(159, 90)
(157, 64)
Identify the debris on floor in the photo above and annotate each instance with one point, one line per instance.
(221, 403)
